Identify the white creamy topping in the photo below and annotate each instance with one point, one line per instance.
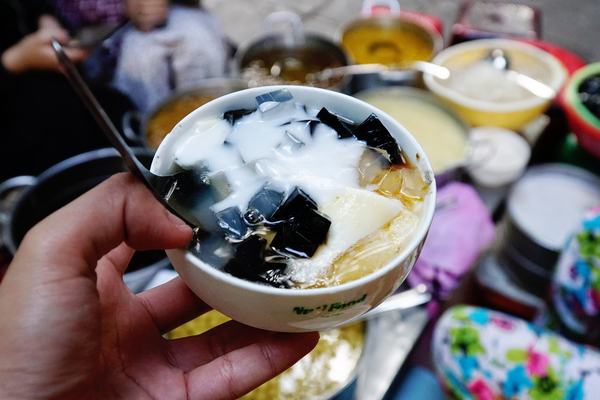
(355, 214)
(275, 145)
(259, 150)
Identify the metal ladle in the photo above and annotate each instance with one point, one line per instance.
(433, 69)
(279, 68)
(159, 185)
(500, 61)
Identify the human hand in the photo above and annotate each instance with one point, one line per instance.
(35, 52)
(147, 14)
(72, 329)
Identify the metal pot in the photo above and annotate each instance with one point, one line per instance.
(379, 42)
(288, 56)
(543, 209)
(61, 184)
(149, 130)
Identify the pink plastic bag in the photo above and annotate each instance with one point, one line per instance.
(462, 226)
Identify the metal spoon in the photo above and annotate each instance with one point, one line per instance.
(159, 185)
(400, 301)
(501, 62)
(281, 67)
(357, 69)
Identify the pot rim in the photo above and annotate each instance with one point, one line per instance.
(251, 43)
(391, 21)
(51, 172)
(206, 86)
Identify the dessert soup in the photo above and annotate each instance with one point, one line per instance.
(295, 197)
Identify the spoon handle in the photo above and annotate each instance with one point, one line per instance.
(400, 301)
(98, 112)
(536, 87)
(359, 69)
(133, 164)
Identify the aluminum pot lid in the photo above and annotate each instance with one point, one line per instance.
(549, 201)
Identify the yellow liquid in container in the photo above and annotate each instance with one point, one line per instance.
(386, 45)
(164, 120)
(441, 134)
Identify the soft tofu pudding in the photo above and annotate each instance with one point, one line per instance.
(294, 197)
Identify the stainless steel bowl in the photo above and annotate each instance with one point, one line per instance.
(288, 56)
(376, 32)
(543, 209)
(149, 130)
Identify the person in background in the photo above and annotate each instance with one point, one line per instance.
(43, 120)
(174, 47)
(165, 47)
(162, 48)
(71, 329)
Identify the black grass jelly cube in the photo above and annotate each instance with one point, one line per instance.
(288, 241)
(290, 143)
(278, 96)
(231, 222)
(186, 188)
(314, 226)
(266, 201)
(343, 129)
(297, 203)
(302, 236)
(220, 188)
(375, 134)
(213, 249)
(275, 275)
(312, 124)
(234, 115)
(249, 258)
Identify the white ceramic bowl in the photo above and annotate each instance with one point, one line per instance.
(297, 310)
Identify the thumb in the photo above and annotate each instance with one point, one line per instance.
(69, 242)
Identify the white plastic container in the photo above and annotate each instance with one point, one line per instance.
(498, 156)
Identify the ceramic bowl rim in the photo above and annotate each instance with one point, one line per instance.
(558, 78)
(413, 245)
